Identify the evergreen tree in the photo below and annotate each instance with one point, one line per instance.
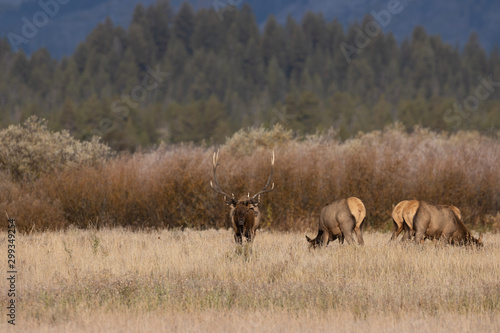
(296, 49)
(273, 43)
(100, 39)
(495, 69)
(159, 17)
(245, 26)
(276, 81)
(42, 71)
(208, 34)
(67, 71)
(68, 117)
(381, 115)
(303, 111)
(20, 70)
(360, 78)
(139, 16)
(138, 44)
(184, 23)
(127, 73)
(315, 31)
(474, 61)
(80, 56)
(177, 56)
(422, 62)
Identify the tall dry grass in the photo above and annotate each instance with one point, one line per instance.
(263, 321)
(169, 187)
(89, 280)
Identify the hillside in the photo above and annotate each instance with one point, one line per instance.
(76, 19)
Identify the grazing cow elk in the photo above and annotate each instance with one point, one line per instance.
(405, 211)
(338, 220)
(409, 211)
(244, 213)
(443, 223)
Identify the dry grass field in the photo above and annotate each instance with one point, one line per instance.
(197, 281)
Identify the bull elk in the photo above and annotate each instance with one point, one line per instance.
(244, 212)
(340, 219)
(405, 211)
(440, 222)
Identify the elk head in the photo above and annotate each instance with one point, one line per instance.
(470, 240)
(244, 214)
(316, 242)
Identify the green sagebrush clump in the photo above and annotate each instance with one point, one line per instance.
(30, 149)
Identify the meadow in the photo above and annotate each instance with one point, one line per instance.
(139, 242)
(115, 280)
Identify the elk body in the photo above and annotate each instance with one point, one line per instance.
(244, 212)
(405, 212)
(440, 222)
(339, 220)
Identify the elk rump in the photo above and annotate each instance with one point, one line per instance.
(340, 219)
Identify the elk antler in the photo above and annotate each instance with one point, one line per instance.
(265, 189)
(216, 187)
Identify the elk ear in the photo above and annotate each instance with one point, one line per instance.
(230, 201)
(256, 202)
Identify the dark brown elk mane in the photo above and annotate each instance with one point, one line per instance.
(244, 213)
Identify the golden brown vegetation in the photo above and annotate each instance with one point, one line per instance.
(117, 280)
(169, 187)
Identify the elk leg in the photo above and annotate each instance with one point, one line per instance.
(249, 235)
(334, 234)
(325, 238)
(407, 234)
(359, 235)
(333, 237)
(397, 230)
(252, 235)
(348, 236)
(445, 238)
(419, 237)
(348, 225)
(237, 236)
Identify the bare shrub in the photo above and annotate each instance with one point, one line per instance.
(32, 210)
(169, 187)
(158, 189)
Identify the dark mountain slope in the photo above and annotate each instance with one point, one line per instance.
(453, 20)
